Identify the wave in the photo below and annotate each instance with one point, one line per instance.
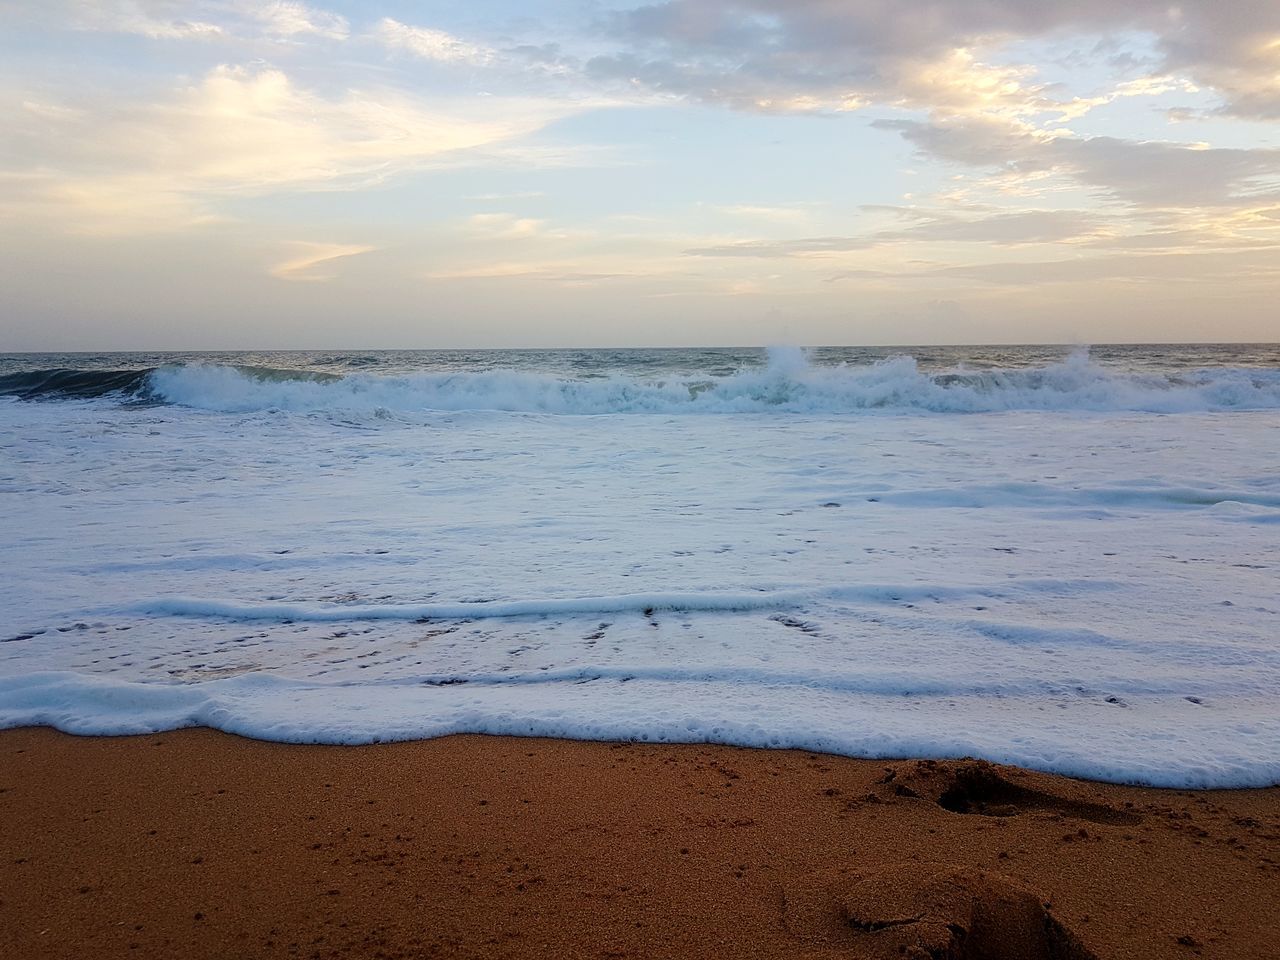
(59, 383)
(788, 383)
(140, 385)
(327, 613)
(706, 601)
(869, 719)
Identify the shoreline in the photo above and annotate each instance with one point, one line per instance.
(203, 844)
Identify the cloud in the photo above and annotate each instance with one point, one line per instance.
(1142, 173)
(489, 271)
(1149, 86)
(1189, 268)
(956, 62)
(567, 273)
(510, 65)
(974, 141)
(1004, 228)
(806, 55)
(311, 255)
(288, 18)
(755, 53)
(817, 55)
(497, 197)
(194, 19)
(504, 226)
(1171, 175)
(240, 132)
(1022, 227)
(775, 213)
(119, 204)
(431, 44)
(1233, 48)
(154, 19)
(771, 249)
(1195, 271)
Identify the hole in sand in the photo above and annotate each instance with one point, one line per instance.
(979, 789)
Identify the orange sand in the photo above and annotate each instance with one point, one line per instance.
(198, 844)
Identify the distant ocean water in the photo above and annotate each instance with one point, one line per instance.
(1052, 556)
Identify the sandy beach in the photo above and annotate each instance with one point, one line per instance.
(200, 844)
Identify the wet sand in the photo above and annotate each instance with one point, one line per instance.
(203, 845)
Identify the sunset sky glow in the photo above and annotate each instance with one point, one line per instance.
(224, 174)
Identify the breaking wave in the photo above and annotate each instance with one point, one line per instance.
(788, 383)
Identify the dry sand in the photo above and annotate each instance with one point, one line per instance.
(198, 844)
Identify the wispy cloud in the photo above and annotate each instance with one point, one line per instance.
(499, 197)
(996, 227)
(196, 19)
(504, 226)
(155, 20)
(771, 249)
(310, 255)
(565, 273)
(1192, 269)
(768, 212)
(1146, 173)
(288, 18)
(246, 132)
(431, 44)
(999, 227)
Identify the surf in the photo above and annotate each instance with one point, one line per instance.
(789, 382)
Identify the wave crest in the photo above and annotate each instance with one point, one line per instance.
(788, 383)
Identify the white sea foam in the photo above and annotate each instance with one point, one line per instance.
(1092, 592)
(1150, 748)
(336, 613)
(565, 606)
(788, 384)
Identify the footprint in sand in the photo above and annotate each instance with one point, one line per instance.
(928, 912)
(985, 789)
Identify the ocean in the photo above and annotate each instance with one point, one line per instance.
(1063, 558)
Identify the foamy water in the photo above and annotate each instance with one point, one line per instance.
(1064, 561)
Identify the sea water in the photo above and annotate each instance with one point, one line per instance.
(1065, 559)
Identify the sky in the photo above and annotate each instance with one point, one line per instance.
(223, 174)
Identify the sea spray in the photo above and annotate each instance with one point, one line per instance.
(790, 382)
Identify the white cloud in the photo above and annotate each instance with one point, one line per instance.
(489, 271)
(504, 226)
(579, 272)
(1001, 227)
(288, 18)
(241, 132)
(767, 212)
(431, 44)
(51, 111)
(311, 255)
(1196, 269)
(496, 197)
(809, 247)
(986, 226)
(155, 19)
(957, 83)
(100, 205)
(194, 19)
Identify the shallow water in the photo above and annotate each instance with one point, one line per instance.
(1039, 556)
